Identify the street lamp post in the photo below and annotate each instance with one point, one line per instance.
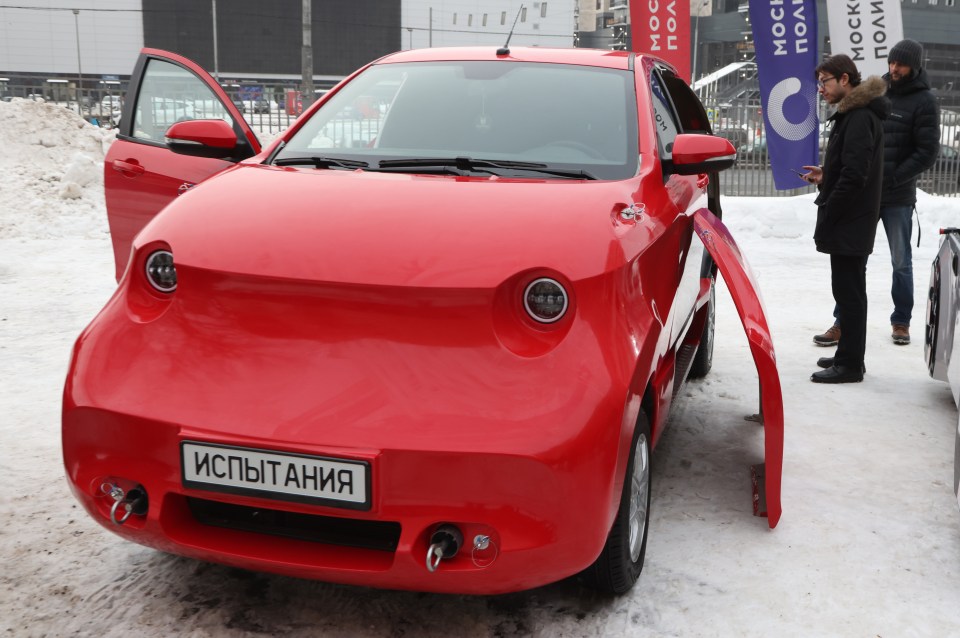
(306, 58)
(696, 39)
(216, 61)
(76, 25)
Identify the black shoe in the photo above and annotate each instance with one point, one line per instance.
(838, 374)
(827, 362)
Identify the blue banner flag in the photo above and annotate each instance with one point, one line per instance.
(785, 39)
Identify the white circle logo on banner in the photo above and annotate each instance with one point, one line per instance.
(778, 121)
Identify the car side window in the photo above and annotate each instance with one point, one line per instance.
(676, 109)
(665, 118)
(691, 115)
(169, 94)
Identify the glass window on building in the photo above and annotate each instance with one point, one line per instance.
(523, 14)
(484, 19)
(543, 9)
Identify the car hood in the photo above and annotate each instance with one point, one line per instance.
(390, 229)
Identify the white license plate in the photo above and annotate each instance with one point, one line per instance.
(267, 474)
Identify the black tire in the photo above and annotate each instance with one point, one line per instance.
(621, 561)
(933, 316)
(703, 360)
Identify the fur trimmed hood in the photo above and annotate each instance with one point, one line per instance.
(863, 94)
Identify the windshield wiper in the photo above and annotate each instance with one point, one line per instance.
(463, 163)
(470, 164)
(572, 173)
(318, 161)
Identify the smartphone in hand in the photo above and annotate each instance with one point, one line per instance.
(799, 173)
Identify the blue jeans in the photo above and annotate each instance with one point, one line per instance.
(898, 224)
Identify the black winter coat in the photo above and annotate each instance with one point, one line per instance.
(911, 138)
(849, 199)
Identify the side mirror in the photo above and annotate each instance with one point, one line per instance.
(202, 138)
(694, 153)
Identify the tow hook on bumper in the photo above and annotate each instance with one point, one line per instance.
(125, 504)
(445, 542)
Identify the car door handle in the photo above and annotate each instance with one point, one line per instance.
(130, 168)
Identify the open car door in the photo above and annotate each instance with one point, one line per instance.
(743, 288)
(141, 173)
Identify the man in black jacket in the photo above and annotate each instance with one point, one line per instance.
(911, 145)
(849, 182)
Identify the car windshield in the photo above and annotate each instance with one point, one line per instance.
(561, 120)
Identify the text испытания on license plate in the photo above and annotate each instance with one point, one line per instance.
(276, 475)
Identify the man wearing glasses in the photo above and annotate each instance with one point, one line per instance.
(849, 182)
(911, 146)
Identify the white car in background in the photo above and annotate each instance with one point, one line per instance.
(942, 336)
(111, 102)
(111, 106)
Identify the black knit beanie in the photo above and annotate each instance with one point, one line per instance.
(908, 52)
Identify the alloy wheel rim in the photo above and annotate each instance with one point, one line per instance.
(639, 489)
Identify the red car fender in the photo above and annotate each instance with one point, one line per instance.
(746, 297)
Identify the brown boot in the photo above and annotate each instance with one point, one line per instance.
(901, 334)
(830, 337)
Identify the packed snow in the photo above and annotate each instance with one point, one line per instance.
(869, 542)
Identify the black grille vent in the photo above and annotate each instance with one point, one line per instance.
(378, 535)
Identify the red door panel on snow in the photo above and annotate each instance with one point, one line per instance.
(743, 288)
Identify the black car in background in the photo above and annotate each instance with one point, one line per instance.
(944, 176)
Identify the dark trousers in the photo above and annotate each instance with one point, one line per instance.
(848, 276)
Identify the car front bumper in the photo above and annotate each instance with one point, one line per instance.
(526, 451)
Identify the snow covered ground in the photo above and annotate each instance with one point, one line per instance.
(869, 542)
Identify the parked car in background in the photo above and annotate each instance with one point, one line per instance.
(942, 337)
(944, 176)
(737, 136)
(111, 102)
(259, 106)
(440, 359)
(754, 154)
(109, 110)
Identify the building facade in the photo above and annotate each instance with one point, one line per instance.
(50, 50)
(95, 42)
(721, 34)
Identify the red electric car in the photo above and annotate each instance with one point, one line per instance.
(427, 339)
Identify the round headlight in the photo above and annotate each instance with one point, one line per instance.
(545, 300)
(161, 273)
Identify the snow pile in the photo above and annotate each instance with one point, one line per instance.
(50, 153)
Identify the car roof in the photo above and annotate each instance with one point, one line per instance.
(585, 57)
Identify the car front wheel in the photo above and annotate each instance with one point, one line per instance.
(620, 562)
